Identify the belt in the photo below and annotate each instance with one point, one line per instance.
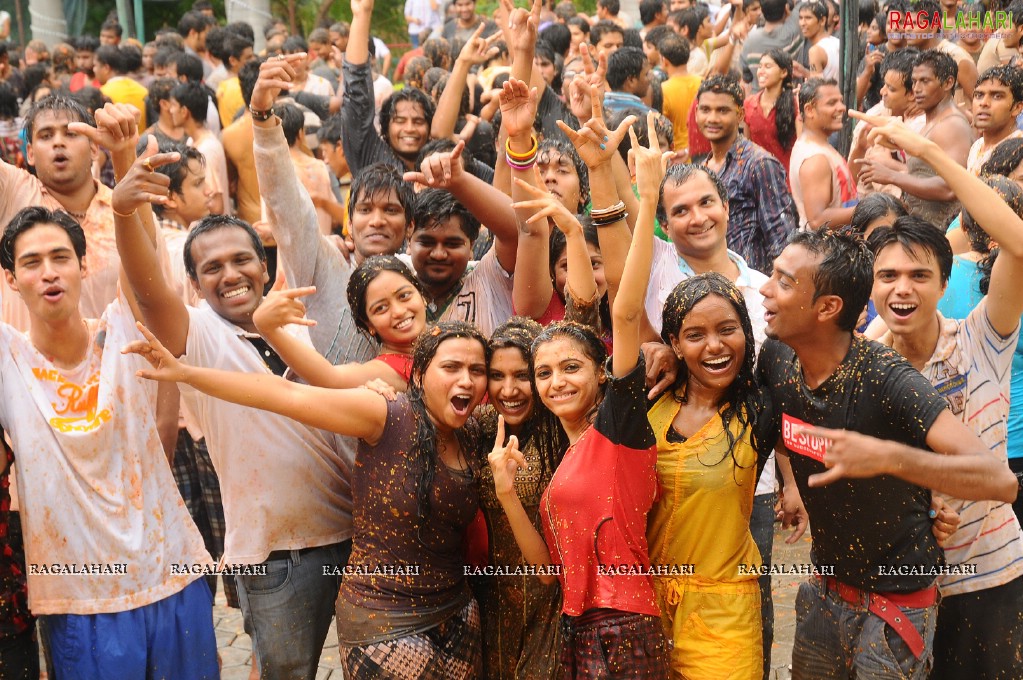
(886, 606)
(286, 554)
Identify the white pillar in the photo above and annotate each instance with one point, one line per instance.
(254, 12)
(47, 21)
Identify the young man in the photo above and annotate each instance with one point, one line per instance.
(188, 109)
(113, 73)
(237, 141)
(85, 52)
(465, 23)
(333, 154)
(628, 76)
(694, 25)
(311, 171)
(969, 362)
(113, 558)
(606, 37)
(997, 101)
(110, 33)
(822, 58)
(652, 13)
(926, 195)
(193, 27)
(865, 479)
(159, 105)
(822, 186)
(238, 52)
(761, 214)
(930, 38)
(998, 51)
(610, 10)
(679, 90)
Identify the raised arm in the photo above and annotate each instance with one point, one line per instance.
(355, 413)
(474, 52)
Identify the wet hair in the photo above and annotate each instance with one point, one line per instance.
(86, 43)
(810, 89)
(423, 451)
(291, 121)
(440, 145)
(944, 66)
(558, 37)
(235, 46)
(215, 42)
(915, 234)
(331, 129)
(57, 103)
(632, 38)
(212, 223)
(980, 241)
(1005, 158)
(874, 206)
(415, 70)
(110, 55)
(567, 150)
(901, 61)
(194, 98)
(390, 107)
(34, 216)
(193, 21)
(845, 269)
(91, 98)
(542, 429)
(690, 19)
(601, 28)
(785, 107)
(380, 179)
(438, 50)
(624, 63)
(176, 171)
(673, 48)
(1009, 76)
(434, 207)
(719, 84)
(364, 275)
(584, 336)
(132, 56)
(742, 400)
(662, 126)
(681, 173)
(815, 7)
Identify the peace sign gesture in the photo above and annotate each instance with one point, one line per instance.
(649, 162)
(478, 49)
(546, 205)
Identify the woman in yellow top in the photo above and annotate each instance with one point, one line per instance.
(705, 561)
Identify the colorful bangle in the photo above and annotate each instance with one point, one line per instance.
(617, 207)
(521, 157)
(520, 165)
(609, 220)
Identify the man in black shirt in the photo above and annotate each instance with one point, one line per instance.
(865, 478)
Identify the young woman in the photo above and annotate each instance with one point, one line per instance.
(404, 609)
(388, 304)
(771, 113)
(709, 428)
(610, 616)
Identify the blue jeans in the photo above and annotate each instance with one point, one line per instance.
(761, 525)
(289, 609)
(836, 639)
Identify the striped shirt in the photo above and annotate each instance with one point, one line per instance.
(971, 367)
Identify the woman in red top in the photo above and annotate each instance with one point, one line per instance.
(596, 543)
(771, 113)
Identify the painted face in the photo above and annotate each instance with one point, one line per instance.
(408, 130)
(454, 382)
(396, 310)
(509, 387)
(993, 106)
(440, 253)
(789, 309)
(568, 381)
(47, 273)
(193, 201)
(62, 158)
(717, 116)
(229, 274)
(697, 218)
(907, 288)
(378, 224)
(596, 261)
(712, 343)
(561, 179)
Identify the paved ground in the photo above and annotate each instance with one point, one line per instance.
(236, 648)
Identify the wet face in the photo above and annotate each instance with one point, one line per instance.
(697, 218)
(596, 262)
(928, 90)
(408, 130)
(568, 381)
(993, 106)
(396, 310)
(454, 382)
(561, 179)
(718, 116)
(193, 201)
(229, 274)
(789, 308)
(712, 343)
(62, 158)
(907, 288)
(378, 224)
(894, 93)
(828, 111)
(509, 387)
(440, 253)
(769, 74)
(47, 273)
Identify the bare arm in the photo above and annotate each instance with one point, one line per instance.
(815, 177)
(475, 51)
(357, 51)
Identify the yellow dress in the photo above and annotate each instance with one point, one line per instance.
(699, 537)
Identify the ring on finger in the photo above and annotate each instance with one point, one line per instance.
(148, 165)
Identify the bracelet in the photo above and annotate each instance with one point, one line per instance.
(520, 165)
(522, 157)
(617, 207)
(609, 220)
(131, 214)
(261, 116)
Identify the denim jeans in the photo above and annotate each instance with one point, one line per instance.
(761, 525)
(290, 609)
(836, 639)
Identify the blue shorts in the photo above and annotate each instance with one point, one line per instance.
(171, 639)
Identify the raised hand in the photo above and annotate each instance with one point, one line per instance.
(521, 26)
(440, 170)
(649, 162)
(505, 460)
(478, 49)
(166, 368)
(141, 184)
(594, 143)
(518, 108)
(546, 205)
(275, 74)
(362, 7)
(117, 128)
(281, 308)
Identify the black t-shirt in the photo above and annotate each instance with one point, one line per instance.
(862, 527)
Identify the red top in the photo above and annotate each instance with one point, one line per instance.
(698, 144)
(557, 311)
(592, 534)
(401, 363)
(79, 80)
(764, 131)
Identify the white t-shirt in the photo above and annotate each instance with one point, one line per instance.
(831, 46)
(96, 489)
(284, 486)
(216, 168)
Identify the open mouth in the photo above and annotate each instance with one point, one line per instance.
(53, 294)
(460, 403)
(718, 365)
(513, 407)
(902, 310)
(404, 324)
(237, 292)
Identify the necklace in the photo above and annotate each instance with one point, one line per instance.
(78, 215)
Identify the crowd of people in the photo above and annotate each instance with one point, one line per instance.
(508, 359)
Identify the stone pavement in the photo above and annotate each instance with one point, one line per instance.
(236, 648)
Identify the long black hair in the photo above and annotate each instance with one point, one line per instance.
(592, 346)
(424, 452)
(364, 275)
(785, 107)
(743, 400)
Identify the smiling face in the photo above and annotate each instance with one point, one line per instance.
(408, 130)
(47, 273)
(789, 308)
(596, 262)
(509, 387)
(378, 224)
(229, 274)
(454, 382)
(697, 219)
(907, 288)
(712, 343)
(395, 309)
(769, 75)
(568, 381)
(62, 159)
(440, 253)
(827, 112)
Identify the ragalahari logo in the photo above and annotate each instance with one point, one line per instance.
(918, 23)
